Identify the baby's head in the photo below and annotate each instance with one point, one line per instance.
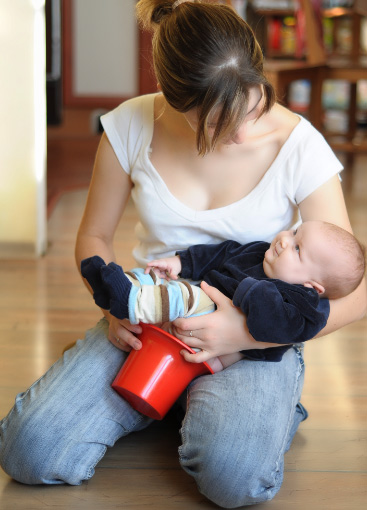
(318, 255)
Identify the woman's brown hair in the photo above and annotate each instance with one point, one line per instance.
(206, 57)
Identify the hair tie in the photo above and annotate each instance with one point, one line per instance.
(177, 3)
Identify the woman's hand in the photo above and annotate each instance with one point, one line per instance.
(122, 333)
(221, 332)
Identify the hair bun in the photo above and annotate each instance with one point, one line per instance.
(160, 12)
(150, 13)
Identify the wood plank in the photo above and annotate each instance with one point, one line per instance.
(335, 412)
(170, 488)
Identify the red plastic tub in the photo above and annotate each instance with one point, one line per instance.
(153, 378)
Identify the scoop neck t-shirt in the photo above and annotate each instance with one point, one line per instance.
(166, 225)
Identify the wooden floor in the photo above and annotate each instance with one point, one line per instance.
(44, 306)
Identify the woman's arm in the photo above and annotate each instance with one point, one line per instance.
(107, 198)
(225, 331)
(108, 195)
(327, 204)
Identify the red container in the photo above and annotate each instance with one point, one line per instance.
(153, 378)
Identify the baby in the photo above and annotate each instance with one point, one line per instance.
(277, 286)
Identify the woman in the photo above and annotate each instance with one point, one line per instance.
(211, 157)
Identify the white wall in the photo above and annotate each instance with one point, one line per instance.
(105, 49)
(22, 128)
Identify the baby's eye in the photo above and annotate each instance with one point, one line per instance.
(294, 232)
(297, 248)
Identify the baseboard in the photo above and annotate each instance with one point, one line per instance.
(17, 250)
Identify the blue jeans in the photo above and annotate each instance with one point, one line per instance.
(237, 427)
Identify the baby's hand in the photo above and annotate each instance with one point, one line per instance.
(168, 268)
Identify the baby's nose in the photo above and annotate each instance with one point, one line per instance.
(284, 241)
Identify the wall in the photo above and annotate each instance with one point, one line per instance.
(105, 51)
(22, 128)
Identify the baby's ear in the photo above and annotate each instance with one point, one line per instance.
(314, 285)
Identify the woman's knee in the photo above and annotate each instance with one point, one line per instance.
(34, 450)
(40, 432)
(227, 468)
(229, 443)
(22, 448)
(229, 480)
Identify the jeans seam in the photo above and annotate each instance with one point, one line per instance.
(128, 431)
(298, 374)
(90, 470)
(182, 430)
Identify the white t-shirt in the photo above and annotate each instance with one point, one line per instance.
(166, 225)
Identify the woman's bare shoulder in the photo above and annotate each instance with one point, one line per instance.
(282, 121)
(274, 127)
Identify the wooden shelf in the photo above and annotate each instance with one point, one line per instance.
(343, 68)
(360, 7)
(337, 12)
(279, 13)
(340, 143)
(334, 12)
(351, 68)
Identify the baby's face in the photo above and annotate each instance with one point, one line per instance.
(299, 256)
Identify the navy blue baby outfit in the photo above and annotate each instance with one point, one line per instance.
(276, 311)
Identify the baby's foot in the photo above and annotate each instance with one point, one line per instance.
(215, 364)
(118, 286)
(91, 271)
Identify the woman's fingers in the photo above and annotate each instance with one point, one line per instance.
(120, 344)
(191, 337)
(215, 295)
(122, 335)
(217, 333)
(196, 357)
(203, 322)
